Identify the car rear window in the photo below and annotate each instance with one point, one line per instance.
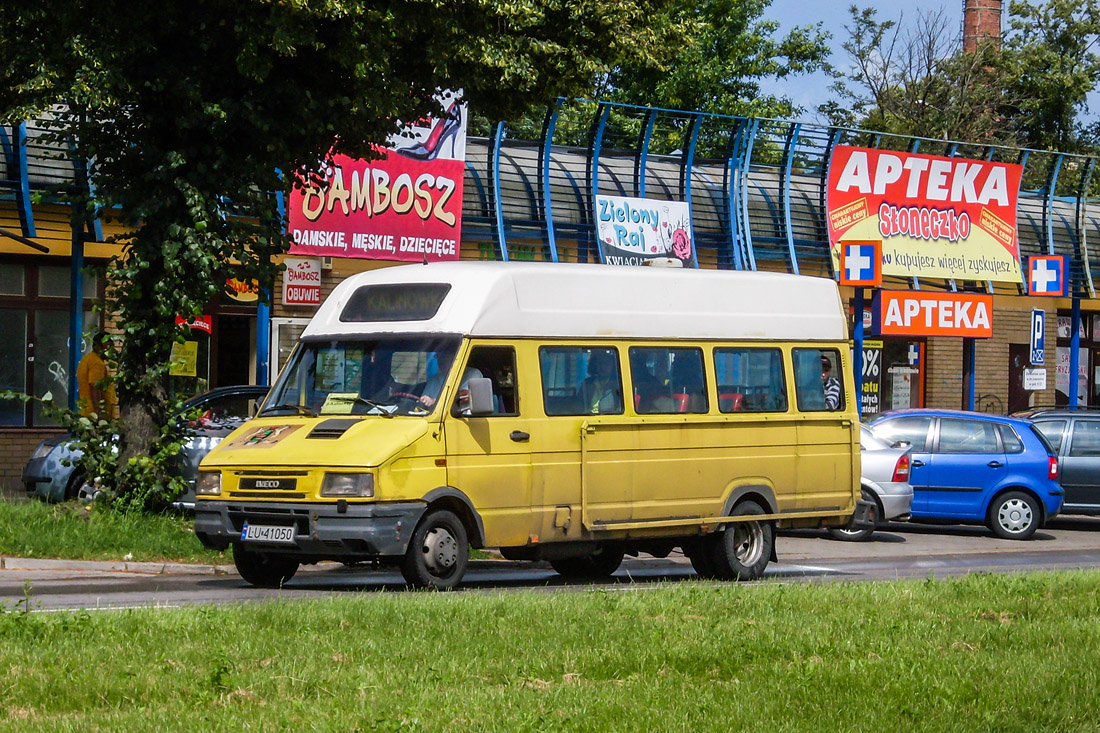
(1045, 440)
(1051, 431)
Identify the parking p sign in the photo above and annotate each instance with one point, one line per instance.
(1038, 341)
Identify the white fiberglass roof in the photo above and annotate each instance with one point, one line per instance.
(540, 299)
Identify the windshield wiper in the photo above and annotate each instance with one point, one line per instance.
(300, 409)
(365, 402)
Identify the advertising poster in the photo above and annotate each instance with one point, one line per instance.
(872, 378)
(406, 206)
(633, 230)
(302, 281)
(936, 217)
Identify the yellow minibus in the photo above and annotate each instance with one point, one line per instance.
(571, 413)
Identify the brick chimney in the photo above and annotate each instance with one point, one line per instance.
(981, 24)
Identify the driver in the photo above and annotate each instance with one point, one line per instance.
(435, 384)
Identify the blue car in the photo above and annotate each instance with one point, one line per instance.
(970, 467)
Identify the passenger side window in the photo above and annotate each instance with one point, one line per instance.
(967, 436)
(581, 380)
(818, 386)
(1086, 438)
(912, 430)
(750, 380)
(498, 365)
(667, 380)
(1053, 430)
(1012, 442)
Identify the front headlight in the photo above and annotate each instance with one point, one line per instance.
(348, 484)
(209, 483)
(43, 450)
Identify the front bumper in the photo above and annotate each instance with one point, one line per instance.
(337, 531)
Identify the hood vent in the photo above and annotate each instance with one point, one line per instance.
(332, 429)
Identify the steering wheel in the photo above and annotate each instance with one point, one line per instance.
(406, 395)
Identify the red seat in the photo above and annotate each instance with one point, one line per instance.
(681, 399)
(731, 401)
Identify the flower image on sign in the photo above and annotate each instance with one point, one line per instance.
(633, 230)
(936, 217)
(406, 206)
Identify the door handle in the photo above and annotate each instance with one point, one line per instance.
(994, 464)
(917, 463)
(519, 436)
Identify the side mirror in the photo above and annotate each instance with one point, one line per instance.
(481, 396)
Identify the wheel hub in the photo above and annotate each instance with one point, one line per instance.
(748, 539)
(1015, 515)
(440, 550)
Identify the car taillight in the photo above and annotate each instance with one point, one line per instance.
(901, 469)
(1052, 468)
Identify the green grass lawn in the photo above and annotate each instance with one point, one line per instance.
(985, 653)
(75, 531)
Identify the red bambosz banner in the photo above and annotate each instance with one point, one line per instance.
(395, 208)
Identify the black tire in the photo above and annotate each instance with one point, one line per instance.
(438, 552)
(600, 563)
(743, 549)
(72, 489)
(699, 555)
(1014, 515)
(263, 569)
(864, 533)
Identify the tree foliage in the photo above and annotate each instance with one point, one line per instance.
(188, 110)
(1029, 90)
(713, 56)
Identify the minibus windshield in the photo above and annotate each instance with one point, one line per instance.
(386, 376)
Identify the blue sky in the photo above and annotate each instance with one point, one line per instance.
(810, 91)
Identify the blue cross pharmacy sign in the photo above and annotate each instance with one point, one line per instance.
(861, 263)
(1048, 275)
(1038, 340)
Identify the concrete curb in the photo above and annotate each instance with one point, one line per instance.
(168, 568)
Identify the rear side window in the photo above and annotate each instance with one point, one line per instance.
(818, 387)
(1052, 431)
(750, 380)
(967, 436)
(1012, 442)
(1086, 439)
(912, 430)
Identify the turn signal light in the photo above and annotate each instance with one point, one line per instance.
(901, 470)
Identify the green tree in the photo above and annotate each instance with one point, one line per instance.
(1051, 50)
(916, 81)
(712, 56)
(189, 108)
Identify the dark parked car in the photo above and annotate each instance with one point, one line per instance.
(972, 467)
(1075, 437)
(52, 473)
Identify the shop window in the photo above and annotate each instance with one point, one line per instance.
(750, 380)
(34, 337)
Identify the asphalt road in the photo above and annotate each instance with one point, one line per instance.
(898, 551)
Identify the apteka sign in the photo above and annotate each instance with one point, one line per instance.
(915, 313)
(949, 218)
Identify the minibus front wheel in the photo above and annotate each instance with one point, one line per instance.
(438, 552)
(743, 550)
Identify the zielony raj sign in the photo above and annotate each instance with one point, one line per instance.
(632, 230)
(914, 313)
(936, 217)
(302, 281)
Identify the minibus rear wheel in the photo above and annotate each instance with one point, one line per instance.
(438, 552)
(600, 563)
(263, 569)
(743, 550)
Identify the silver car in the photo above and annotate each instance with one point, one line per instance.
(885, 480)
